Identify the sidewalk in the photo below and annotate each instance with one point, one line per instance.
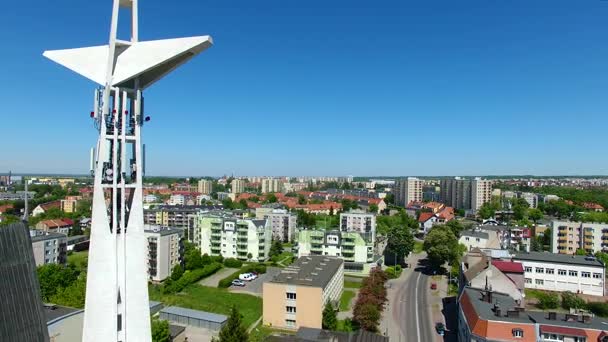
(436, 301)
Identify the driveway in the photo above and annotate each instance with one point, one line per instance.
(214, 279)
(254, 287)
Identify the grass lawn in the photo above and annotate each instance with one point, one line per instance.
(417, 246)
(345, 300)
(352, 284)
(214, 300)
(79, 259)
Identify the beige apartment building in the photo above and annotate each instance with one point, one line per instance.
(70, 204)
(237, 186)
(408, 190)
(296, 297)
(569, 236)
(270, 185)
(481, 192)
(165, 250)
(205, 186)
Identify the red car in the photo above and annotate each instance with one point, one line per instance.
(433, 286)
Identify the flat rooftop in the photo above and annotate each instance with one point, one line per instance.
(559, 258)
(48, 236)
(162, 231)
(313, 270)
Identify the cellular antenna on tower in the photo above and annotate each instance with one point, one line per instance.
(116, 307)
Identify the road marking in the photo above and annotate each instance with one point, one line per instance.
(417, 315)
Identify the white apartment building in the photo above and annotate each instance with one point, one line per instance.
(231, 237)
(569, 236)
(271, 185)
(559, 272)
(49, 248)
(205, 186)
(177, 199)
(531, 198)
(477, 238)
(237, 186)
(283, 224)
(165, 250)
(481, 192)
(408, 190)
(150, 198)
(358, 221)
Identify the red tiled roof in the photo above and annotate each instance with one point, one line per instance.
(508, 266)
(5, 207)
(52, 204)
(589, 205)
(425, 217)
(446, 214)
(56, 223)
(563, 330)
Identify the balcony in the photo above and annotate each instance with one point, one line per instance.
(348, 242)
(316, 248)
(349, 258)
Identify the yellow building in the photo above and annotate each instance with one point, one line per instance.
(296, 297)
(70, 204)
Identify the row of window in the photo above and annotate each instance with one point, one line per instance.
(561, 272)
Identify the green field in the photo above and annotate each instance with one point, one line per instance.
(214, 300)
(345, 300)
(79, 259)
(352, 284)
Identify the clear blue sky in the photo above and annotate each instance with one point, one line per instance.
(327, 87)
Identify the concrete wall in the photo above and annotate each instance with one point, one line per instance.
(308, 303)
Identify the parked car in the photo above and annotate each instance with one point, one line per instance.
(238, 282)
(433, 286)
(440, 328)
(246, 276)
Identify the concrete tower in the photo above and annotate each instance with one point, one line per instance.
(116, 306)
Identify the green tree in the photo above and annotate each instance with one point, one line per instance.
(330, 319)
(301, 199)
(400, 242)
(456, 227)
(486, 211)
(572, 301)
(276, 248)
(547, 301)
(441, 245)
(535, 214)
(192, 257)
(243, 204)
(535, 245)
(7, 219)
(271, 198)
(581, 251)
(177, 272)
(73, 295)
(233, 330)
(373, 208)
(52, 277)
(160, 331)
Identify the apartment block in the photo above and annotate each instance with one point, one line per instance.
(70, 204)
(222, 233)
(297, 296)
(356, 249)
(569, 236)
(531, 198)
(174, 215)
(408, 190)
(271, 185)
(49, 248)
(559, 272)
(165, 250)
(481, 192)
(237, 186)
(205, 186)
(359, 221)
(283, 224)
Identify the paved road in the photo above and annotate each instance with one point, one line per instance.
(254, 287)
(408, 315)
(214, 279)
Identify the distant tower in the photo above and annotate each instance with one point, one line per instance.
(116, 307)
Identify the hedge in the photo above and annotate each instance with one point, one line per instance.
(226, 282)
(233, 263)
(190, 277)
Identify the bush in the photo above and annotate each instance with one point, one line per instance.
(570, 300)
(393, 272)
(189, 278)
(598, 308)
(548, 301)
(233, 263)
(257, 268)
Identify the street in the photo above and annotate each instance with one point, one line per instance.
(408, 316)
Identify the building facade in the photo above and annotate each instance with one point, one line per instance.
(205, 186)
(297, 296)
(283, 224)
(237, 186)
(231, 237)
(70, 204)
(270, 185)
(466, 194)
(358, 221)
(568, 236)
(481, 192)
(408, 190)
(558, 272)
(165, 250)
(50, 248)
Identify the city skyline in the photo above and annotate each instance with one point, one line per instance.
(477, 82)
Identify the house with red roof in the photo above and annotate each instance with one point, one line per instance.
(6, 207)
(44, 207)
(62, 226)
(426, 220)
(593, 206)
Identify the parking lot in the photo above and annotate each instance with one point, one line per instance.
(254, 287)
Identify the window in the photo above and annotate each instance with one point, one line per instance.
(290, 309)
(528, 281)
(550, 270)
(528, 269)
(573, 273)
(597, 275)
(561, 272)
(586, 274)
(517, 333)
(540, 282)
(290, 322)
(540, 270)
(477, 239)
(291, 295)
(466, 238)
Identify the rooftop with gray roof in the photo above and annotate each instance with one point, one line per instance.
(559, 258)
(162, 231)
(475, 233)
(48, 236)
(314, 270)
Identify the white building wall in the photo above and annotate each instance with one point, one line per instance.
(556, 280)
